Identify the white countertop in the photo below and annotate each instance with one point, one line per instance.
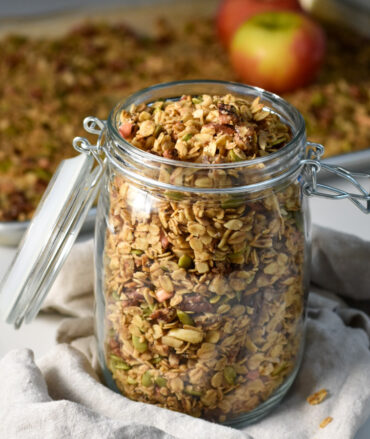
(40, 334)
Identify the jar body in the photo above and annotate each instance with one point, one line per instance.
(201, 295)
(201, 303)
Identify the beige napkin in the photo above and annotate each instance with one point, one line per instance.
(61, 396)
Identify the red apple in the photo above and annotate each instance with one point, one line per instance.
(278, 51)
(232, 13)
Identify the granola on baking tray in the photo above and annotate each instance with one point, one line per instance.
(204, 294)
(50, 84)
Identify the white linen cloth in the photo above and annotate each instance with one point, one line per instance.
(61, 396)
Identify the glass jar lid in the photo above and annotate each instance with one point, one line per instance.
(49, 238)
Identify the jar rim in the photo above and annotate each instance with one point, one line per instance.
(235, 87)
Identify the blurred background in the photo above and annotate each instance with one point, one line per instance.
(20, 8)
(62, 60)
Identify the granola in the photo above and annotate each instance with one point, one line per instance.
(317, 397)
(204, 295)
(326, 422)
(205, 129)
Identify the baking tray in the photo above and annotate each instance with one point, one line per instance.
(359, 161)
(140, 16)
(11, 232)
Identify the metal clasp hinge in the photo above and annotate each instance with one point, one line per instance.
(96, 126)
(312, 166)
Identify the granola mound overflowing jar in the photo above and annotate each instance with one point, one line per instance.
(202, 250)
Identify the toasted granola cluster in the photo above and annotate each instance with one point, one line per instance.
(205, 129)
(204, 295)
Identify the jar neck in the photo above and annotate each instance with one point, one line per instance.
(248, 176)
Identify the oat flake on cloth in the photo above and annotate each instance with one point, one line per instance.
(61, 396)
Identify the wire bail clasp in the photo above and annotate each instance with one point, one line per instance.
(96, 126)
(312, 166)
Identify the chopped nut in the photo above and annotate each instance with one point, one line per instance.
(163, 295)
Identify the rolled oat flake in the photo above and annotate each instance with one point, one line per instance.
(202, 245)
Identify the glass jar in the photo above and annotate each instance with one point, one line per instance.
(202, 271)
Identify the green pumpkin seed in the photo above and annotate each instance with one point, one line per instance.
(193, 392)
(185, 261)
(122, 366)
(175, 196)
(161, 382)
(279, 369)
(230, 374)
(184, 318)
(187, 137)
(197, 100)
(131, 380)
(236, 155)
(157, 130)
(115, 295)
(118, 363)
(146, 311)
(140, 346)
(137, 252)
(232, 203)
(146, 379)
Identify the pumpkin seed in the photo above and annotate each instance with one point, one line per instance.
(137, 252)
(176, 196)
(161, 382)
(122, 366)
(232, 203)
(140, 346)
(184, 318)
(187, 137)
(279, 369)
(115, 296)
(193, 392)
(230, 374)
(236, 155)
(197, 99)
(185, 261)
(146, 379)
